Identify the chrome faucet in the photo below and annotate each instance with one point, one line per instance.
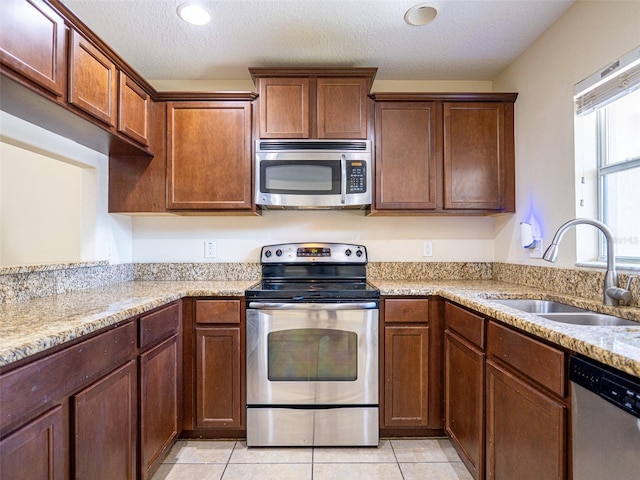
(612, 292)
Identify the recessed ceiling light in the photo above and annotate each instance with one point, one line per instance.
(420, 14)
(194, 14)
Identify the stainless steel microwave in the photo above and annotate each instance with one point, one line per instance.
(313, 173)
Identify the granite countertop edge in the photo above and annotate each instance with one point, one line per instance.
(33, 326)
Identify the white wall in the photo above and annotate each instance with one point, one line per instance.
(238, 239)
(589, 36)
(71, 219)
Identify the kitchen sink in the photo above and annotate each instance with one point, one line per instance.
(590, 318)
(561, 312)
(538, 306)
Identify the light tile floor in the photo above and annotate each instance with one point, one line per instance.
(396, 459)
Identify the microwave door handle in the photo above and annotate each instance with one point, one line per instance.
(343, 176)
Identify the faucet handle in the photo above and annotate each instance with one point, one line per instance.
(619, 293)
(629, 280)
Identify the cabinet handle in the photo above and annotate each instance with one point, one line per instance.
(343, 183)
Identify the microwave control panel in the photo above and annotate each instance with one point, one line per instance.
(356, 176)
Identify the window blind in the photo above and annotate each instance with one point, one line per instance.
(618, 79)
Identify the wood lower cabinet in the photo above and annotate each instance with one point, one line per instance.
(219, 402)
(329, 103)
(37, 450)
(411, 389)
(526, 430)
(33, 42)
(104, 427)
(209, 156)
(406, 376)
(160, 367)
(106, 407)
(464, 390)
(526, 407)
(218, 405)
(444, 153)
(93, 80)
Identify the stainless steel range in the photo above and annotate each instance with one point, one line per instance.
(312, 348)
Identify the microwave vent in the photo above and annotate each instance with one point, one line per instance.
(357, 146)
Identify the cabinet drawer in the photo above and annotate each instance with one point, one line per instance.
(538, 361)
(466, 324)
(406, 310)
(217, 311)
(32, 387)
(159, 325)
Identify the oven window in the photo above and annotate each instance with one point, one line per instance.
(312, 354)
(320, 177)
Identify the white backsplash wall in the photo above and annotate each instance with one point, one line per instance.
(239, 239)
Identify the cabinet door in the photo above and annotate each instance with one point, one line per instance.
(526, 437)
(284, 107)
(209, 155)
(219, 401)
(342, 107)
(105, 424)
(92, 80)
(464, 401)
(159, 400)
(406, 376)
(133, 110)
(33, 43)
(37, 450)
(406, 158)
(475, 164)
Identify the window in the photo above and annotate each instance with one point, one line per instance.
(608, 153)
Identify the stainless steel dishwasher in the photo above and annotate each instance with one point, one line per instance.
(605, 421)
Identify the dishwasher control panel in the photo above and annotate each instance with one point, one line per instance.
(617, 387)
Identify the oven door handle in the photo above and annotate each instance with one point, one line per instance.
(313, 306)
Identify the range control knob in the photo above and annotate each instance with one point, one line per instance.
(358, 253)
(279, 253)
(267, 253)
(347, 252)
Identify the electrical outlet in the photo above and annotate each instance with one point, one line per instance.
(427, 249)
(209, 249)
(535, 251)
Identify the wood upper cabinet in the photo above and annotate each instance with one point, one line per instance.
(33, 43)
(133, 110)
(284, 108)
(406, 155)
(92, 80)
(444, 153)
(342, 107)
(475, 156)
(209, 156)
(313, 103)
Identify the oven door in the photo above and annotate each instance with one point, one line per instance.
(312, 354)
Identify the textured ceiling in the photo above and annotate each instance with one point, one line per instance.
(469, 40)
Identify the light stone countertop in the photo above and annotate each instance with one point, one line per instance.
(32, 326)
